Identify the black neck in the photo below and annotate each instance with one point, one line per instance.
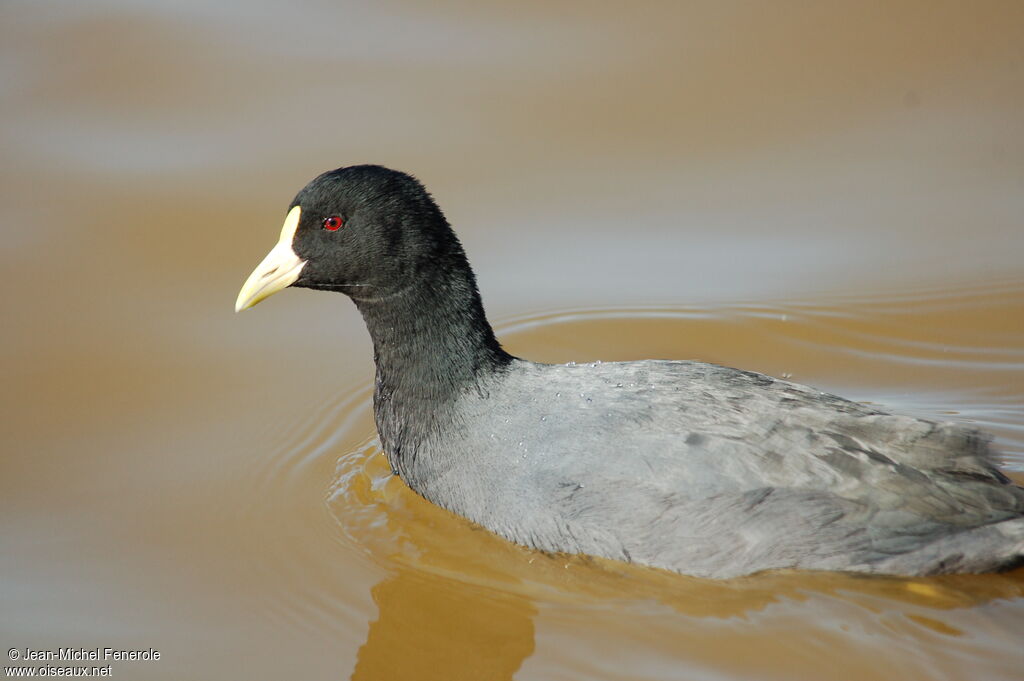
(431, 341)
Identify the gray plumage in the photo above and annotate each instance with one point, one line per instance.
(686, 466)
(714, 472)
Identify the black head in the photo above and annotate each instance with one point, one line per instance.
(368, 227)
(365, 230)
(376, 235)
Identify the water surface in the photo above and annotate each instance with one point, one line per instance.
(831, 194)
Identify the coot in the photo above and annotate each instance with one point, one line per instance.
(692, 467)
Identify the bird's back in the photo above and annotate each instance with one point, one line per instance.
(712, 471)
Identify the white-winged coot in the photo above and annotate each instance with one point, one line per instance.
(692, 467)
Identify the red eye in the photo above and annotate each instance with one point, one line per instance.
(333, 223)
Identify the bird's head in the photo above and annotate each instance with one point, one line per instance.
(364, 230)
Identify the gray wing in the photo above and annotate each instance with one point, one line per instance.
(718, 472)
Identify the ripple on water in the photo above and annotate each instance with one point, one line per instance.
(297, 547)
(358, 514)
(874, 333)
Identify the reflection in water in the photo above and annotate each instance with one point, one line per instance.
(425, 543)
(440, 629)
(460, 602)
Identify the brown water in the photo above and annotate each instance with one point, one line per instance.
(833, 193)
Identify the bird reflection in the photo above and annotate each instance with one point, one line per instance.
(433, 627)
(460, 602)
